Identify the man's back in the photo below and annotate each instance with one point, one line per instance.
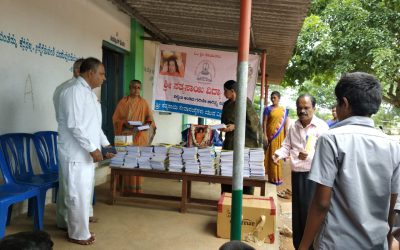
(361, 164)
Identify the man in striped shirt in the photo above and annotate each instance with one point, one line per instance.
(299, 146)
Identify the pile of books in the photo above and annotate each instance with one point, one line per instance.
(146, 153)
(118, 160)
(175, 163)
(159, 159)
(226, 162)
(256, 162)
(207, 160)
(132, 156)
(190, 160)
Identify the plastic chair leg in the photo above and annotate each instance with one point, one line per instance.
(9, 214)
(3, 220)
(39, 211)
(55, 194)
(30, 207)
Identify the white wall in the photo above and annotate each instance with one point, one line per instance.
(28, 79)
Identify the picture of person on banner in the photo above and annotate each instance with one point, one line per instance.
(172, 63)
(205, 74)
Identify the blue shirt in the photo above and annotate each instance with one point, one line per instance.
(361, 165)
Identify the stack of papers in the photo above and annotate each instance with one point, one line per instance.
(226, 163)
(133, 150)
(146, 153)
(207, 160)
(256, 162)
(190, 160)
(118, 160)
(175, 163)
(144, 162)
(144, 127)
(159, 162)
(131, 161)
(218, 126)
(123, 140)
(159, 159)
(135, 123)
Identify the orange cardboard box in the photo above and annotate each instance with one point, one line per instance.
(259, 217)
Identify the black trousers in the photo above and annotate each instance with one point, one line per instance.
(302, 194)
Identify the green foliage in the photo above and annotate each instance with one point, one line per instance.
(341, 36)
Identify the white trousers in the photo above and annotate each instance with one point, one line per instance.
(74, 199)
(61, 211)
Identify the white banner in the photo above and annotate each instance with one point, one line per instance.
(191, 81)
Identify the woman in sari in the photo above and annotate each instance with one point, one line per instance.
(253, 131)
(134, 108)
(275, 125)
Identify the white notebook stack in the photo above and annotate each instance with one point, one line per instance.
(175, 163)
(118, 160)
(146, 153)
(207, 160)
(190, 160)
(256, 162)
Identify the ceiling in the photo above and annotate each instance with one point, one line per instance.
(214, 24)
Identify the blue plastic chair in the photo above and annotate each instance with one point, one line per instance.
(11, 193)
(17, 153)
(46, 148)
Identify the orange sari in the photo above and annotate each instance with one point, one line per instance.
(133, 109)
(276, 120)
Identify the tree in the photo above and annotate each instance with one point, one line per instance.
(345, 36)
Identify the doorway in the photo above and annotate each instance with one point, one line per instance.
(112, 89)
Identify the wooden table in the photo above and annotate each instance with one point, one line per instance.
(185, 199)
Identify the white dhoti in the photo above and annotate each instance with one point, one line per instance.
(76, 187)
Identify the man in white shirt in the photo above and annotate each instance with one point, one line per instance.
(299, 145)
(79, 147)
(62, 218)
(66, 84)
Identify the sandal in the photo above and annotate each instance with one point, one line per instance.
(89, 241)
(93, 219)
(282, 194)
(288, 191)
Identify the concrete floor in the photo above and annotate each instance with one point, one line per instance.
(147, 224)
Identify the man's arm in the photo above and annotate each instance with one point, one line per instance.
(284, 151)
(316, 214)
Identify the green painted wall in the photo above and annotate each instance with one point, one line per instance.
(134, 60)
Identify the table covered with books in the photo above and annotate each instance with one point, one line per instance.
(189, 165)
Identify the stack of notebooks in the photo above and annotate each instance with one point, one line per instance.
(190, 160)
(159, 159)
(146, 153)
(226, 163)
(175, 159)
(207, 160)
(256, 162)
(133, 154)
(118, 160)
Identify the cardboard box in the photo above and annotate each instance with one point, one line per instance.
(122, 140)
(259, 217)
